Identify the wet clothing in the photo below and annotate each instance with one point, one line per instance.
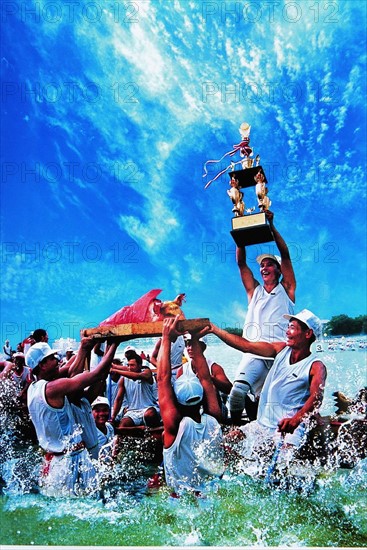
(285, 391)
(21, 380)
(67, 468)
(84, 419)
(196, 455)
(103, 439)
(286, 388)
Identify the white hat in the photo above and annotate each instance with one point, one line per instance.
(309, 319)
(188, 390)
(100, 401)
(274, 257)
(37, 353)
(18, 354)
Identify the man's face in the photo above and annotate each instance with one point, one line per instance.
(50, 366)
(133, 365)
(101, 414)
(269, 270)
(297, 336)
(188, 345)
(19, 362)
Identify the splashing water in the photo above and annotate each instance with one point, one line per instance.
(308, 503)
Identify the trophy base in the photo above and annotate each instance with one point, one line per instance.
(251, 229)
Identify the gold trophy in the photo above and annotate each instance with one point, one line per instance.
(248, 227)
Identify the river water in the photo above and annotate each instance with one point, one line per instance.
(239, 510)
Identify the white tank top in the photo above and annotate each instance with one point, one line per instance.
(177, 349)
(55, 428)
(264, 320)
(21, 379)
(285, 390)
(196, 455)
(83, 417)
(140, 394)
(103, 439)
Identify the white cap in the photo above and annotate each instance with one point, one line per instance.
(273, 257)
(188, 390)
(37, 353)
(100, 401)
(309, 319)
(18, 354)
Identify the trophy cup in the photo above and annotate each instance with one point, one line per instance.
(248, 227)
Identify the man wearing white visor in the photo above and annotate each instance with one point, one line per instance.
(264, 322)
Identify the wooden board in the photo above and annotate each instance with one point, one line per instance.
(142, 330)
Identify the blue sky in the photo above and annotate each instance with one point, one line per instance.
(109, 112)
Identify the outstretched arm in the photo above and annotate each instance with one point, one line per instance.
(288, 279)
(247, 277)
(171, 416)
(145, 374)
(264, 349)
(154, 356)
(211, 398)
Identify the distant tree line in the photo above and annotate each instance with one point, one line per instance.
(342, 324)
(339, 324)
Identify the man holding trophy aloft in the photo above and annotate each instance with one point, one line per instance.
(269, 301)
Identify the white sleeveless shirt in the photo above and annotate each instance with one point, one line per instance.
(140, 394)
(83, 417)
(285, 390)
(264, 320)
(55, 428)
(196, 455)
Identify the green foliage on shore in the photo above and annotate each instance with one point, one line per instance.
(342, 324)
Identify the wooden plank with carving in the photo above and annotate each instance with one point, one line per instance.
(142, 330)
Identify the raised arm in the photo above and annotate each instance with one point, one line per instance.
(57, 389)
(317, 384)
(212, 406)
(76, 364)
(247, 277)
(171, 416)
(154, 356)
(118, 399)
(220, 379)
(288, 278)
